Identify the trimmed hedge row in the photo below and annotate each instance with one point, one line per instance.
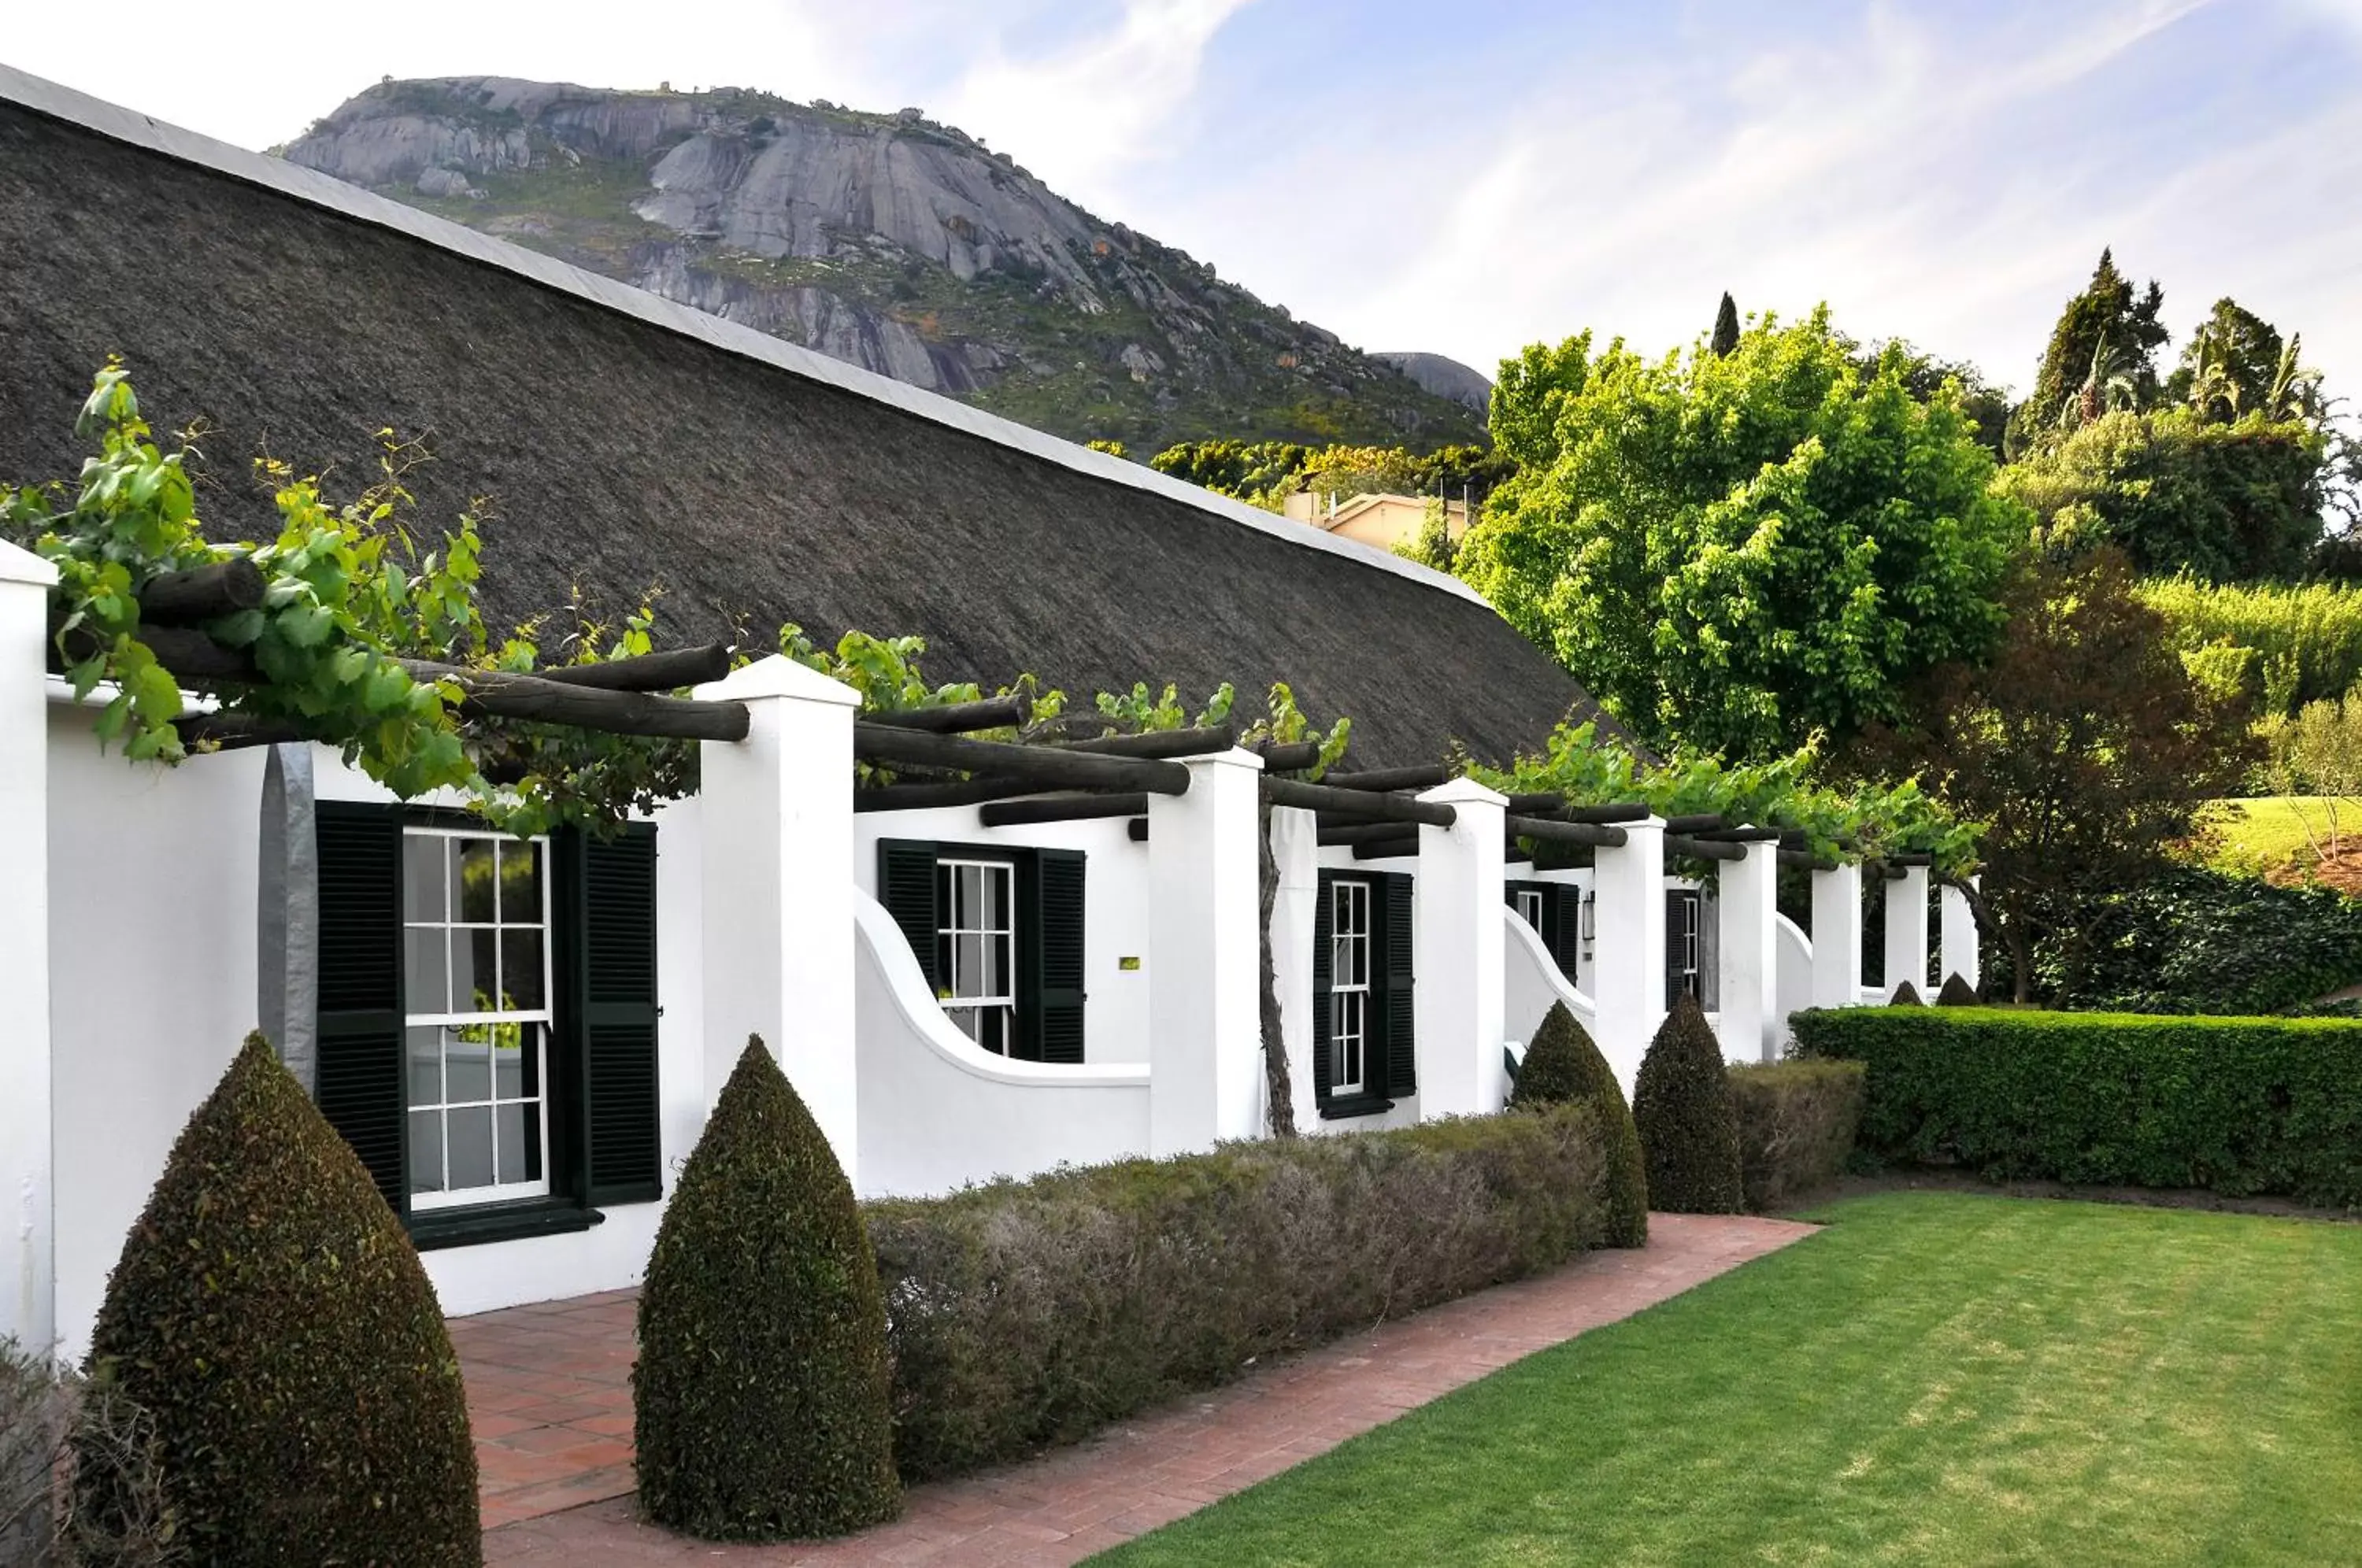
(1797, 1124)
(1023, 1314)
(2240, 1106)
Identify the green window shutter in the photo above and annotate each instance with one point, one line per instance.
(906, 885)
(1564, 911)
(359, 1087)
(1050, 912)
(1394, 893)
(1321, 1075)
(609, 892)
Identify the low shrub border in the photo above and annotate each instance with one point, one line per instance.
(2239, 1105)
(1797, 1123)
(1024, 1314)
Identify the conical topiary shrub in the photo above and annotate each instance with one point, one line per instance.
(1906, 995)
(1561, 1064)
(761, 1398)
(1957, 992)
(1680, 1105)
(271, 1318)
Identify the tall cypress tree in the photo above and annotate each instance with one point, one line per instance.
(1726, 327)
(2108, 309)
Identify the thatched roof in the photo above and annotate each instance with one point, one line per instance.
(626, 442)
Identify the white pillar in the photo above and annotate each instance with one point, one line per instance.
(1205, 958)
(1906, 932)
(1959, 937)
(1629, 989)
(1458, 954)
(27, 1226)
(777, 840)
(1836, 937)
(1296, 849)
(1747, 905)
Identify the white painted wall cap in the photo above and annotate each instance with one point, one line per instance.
(20, 564)
(1464, 791)
(779, 676)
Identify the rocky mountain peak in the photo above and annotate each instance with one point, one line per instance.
(885, 239)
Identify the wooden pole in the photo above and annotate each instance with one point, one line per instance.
(1804, 860)
(667, 672)
(1387, 779)
(1704, 821)
(1361, 831)
(958, 718)
(1357, 802)
(921, 797)
(1061, 809)
(200, 593)
(1045, 766)
(499, 694)
(1599, 836)
(1290, 757)
(1703, 849)
(1159, 743)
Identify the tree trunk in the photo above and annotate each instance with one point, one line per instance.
(2021, 956)
(1281, 1118)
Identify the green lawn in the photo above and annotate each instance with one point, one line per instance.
(1934, 1379)
(2267, 832)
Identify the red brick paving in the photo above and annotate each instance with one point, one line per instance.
(549, 1388)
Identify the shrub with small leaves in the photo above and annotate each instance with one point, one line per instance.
(1906, 995)
(1957, 992)
(1681, 1104)
(271, 1318)
(1563, 1065)
(760, 1398)
(1796, 1125)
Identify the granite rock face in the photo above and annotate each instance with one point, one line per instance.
(887, 240)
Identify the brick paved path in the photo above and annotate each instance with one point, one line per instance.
(549, 1390)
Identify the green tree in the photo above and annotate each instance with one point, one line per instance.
(1688, 1126)
(1736, 551)
(2108, 318)
(2178, 492)
(2084, 745)
(1726, 327)
(2230, 365)
(1561, 1064)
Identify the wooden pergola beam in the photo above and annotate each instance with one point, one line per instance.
(1599, 836)
(1061, 809)
(1206, 742)
(1391, 778)
(958, 718)
(1046, 768)
(1288, 757)
(667, 672)
(1363, 803)
(501, 694)
(1703, 848)
(200, 593)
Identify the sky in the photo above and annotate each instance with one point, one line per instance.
(1471, 178)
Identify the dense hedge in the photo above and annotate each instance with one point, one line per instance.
(271, 1318)
(1797, 1123)
(759, 1397)
(1023, 1314)
(2238, 1105)
(1563, 1065)
(2193, 941)
(1681, 1104)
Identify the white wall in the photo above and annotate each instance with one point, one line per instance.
(1793, 988)
(1115, 906)
(153, 986)
(938, 1111)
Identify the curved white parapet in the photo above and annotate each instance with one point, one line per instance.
(938, 1111)
(1793, 972)
(1530, 982)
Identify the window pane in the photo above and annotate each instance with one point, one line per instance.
(996, 909)
(475, 971)
(992, 1030)
(971, 898)
(521, 968)
(968, 967)
(521, 883)
(511, 1044)
(467, 1065)
(422, 877)
(477, 874)
(425, 1150)
(996, 966)
(520, 1142)
(426, 978)
(470, 1135)
(425, 1047)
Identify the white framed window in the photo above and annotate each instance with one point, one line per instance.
(976, 947)
(477, 1018)
(1349, 987)
(1530, 907)
(1682, 943)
